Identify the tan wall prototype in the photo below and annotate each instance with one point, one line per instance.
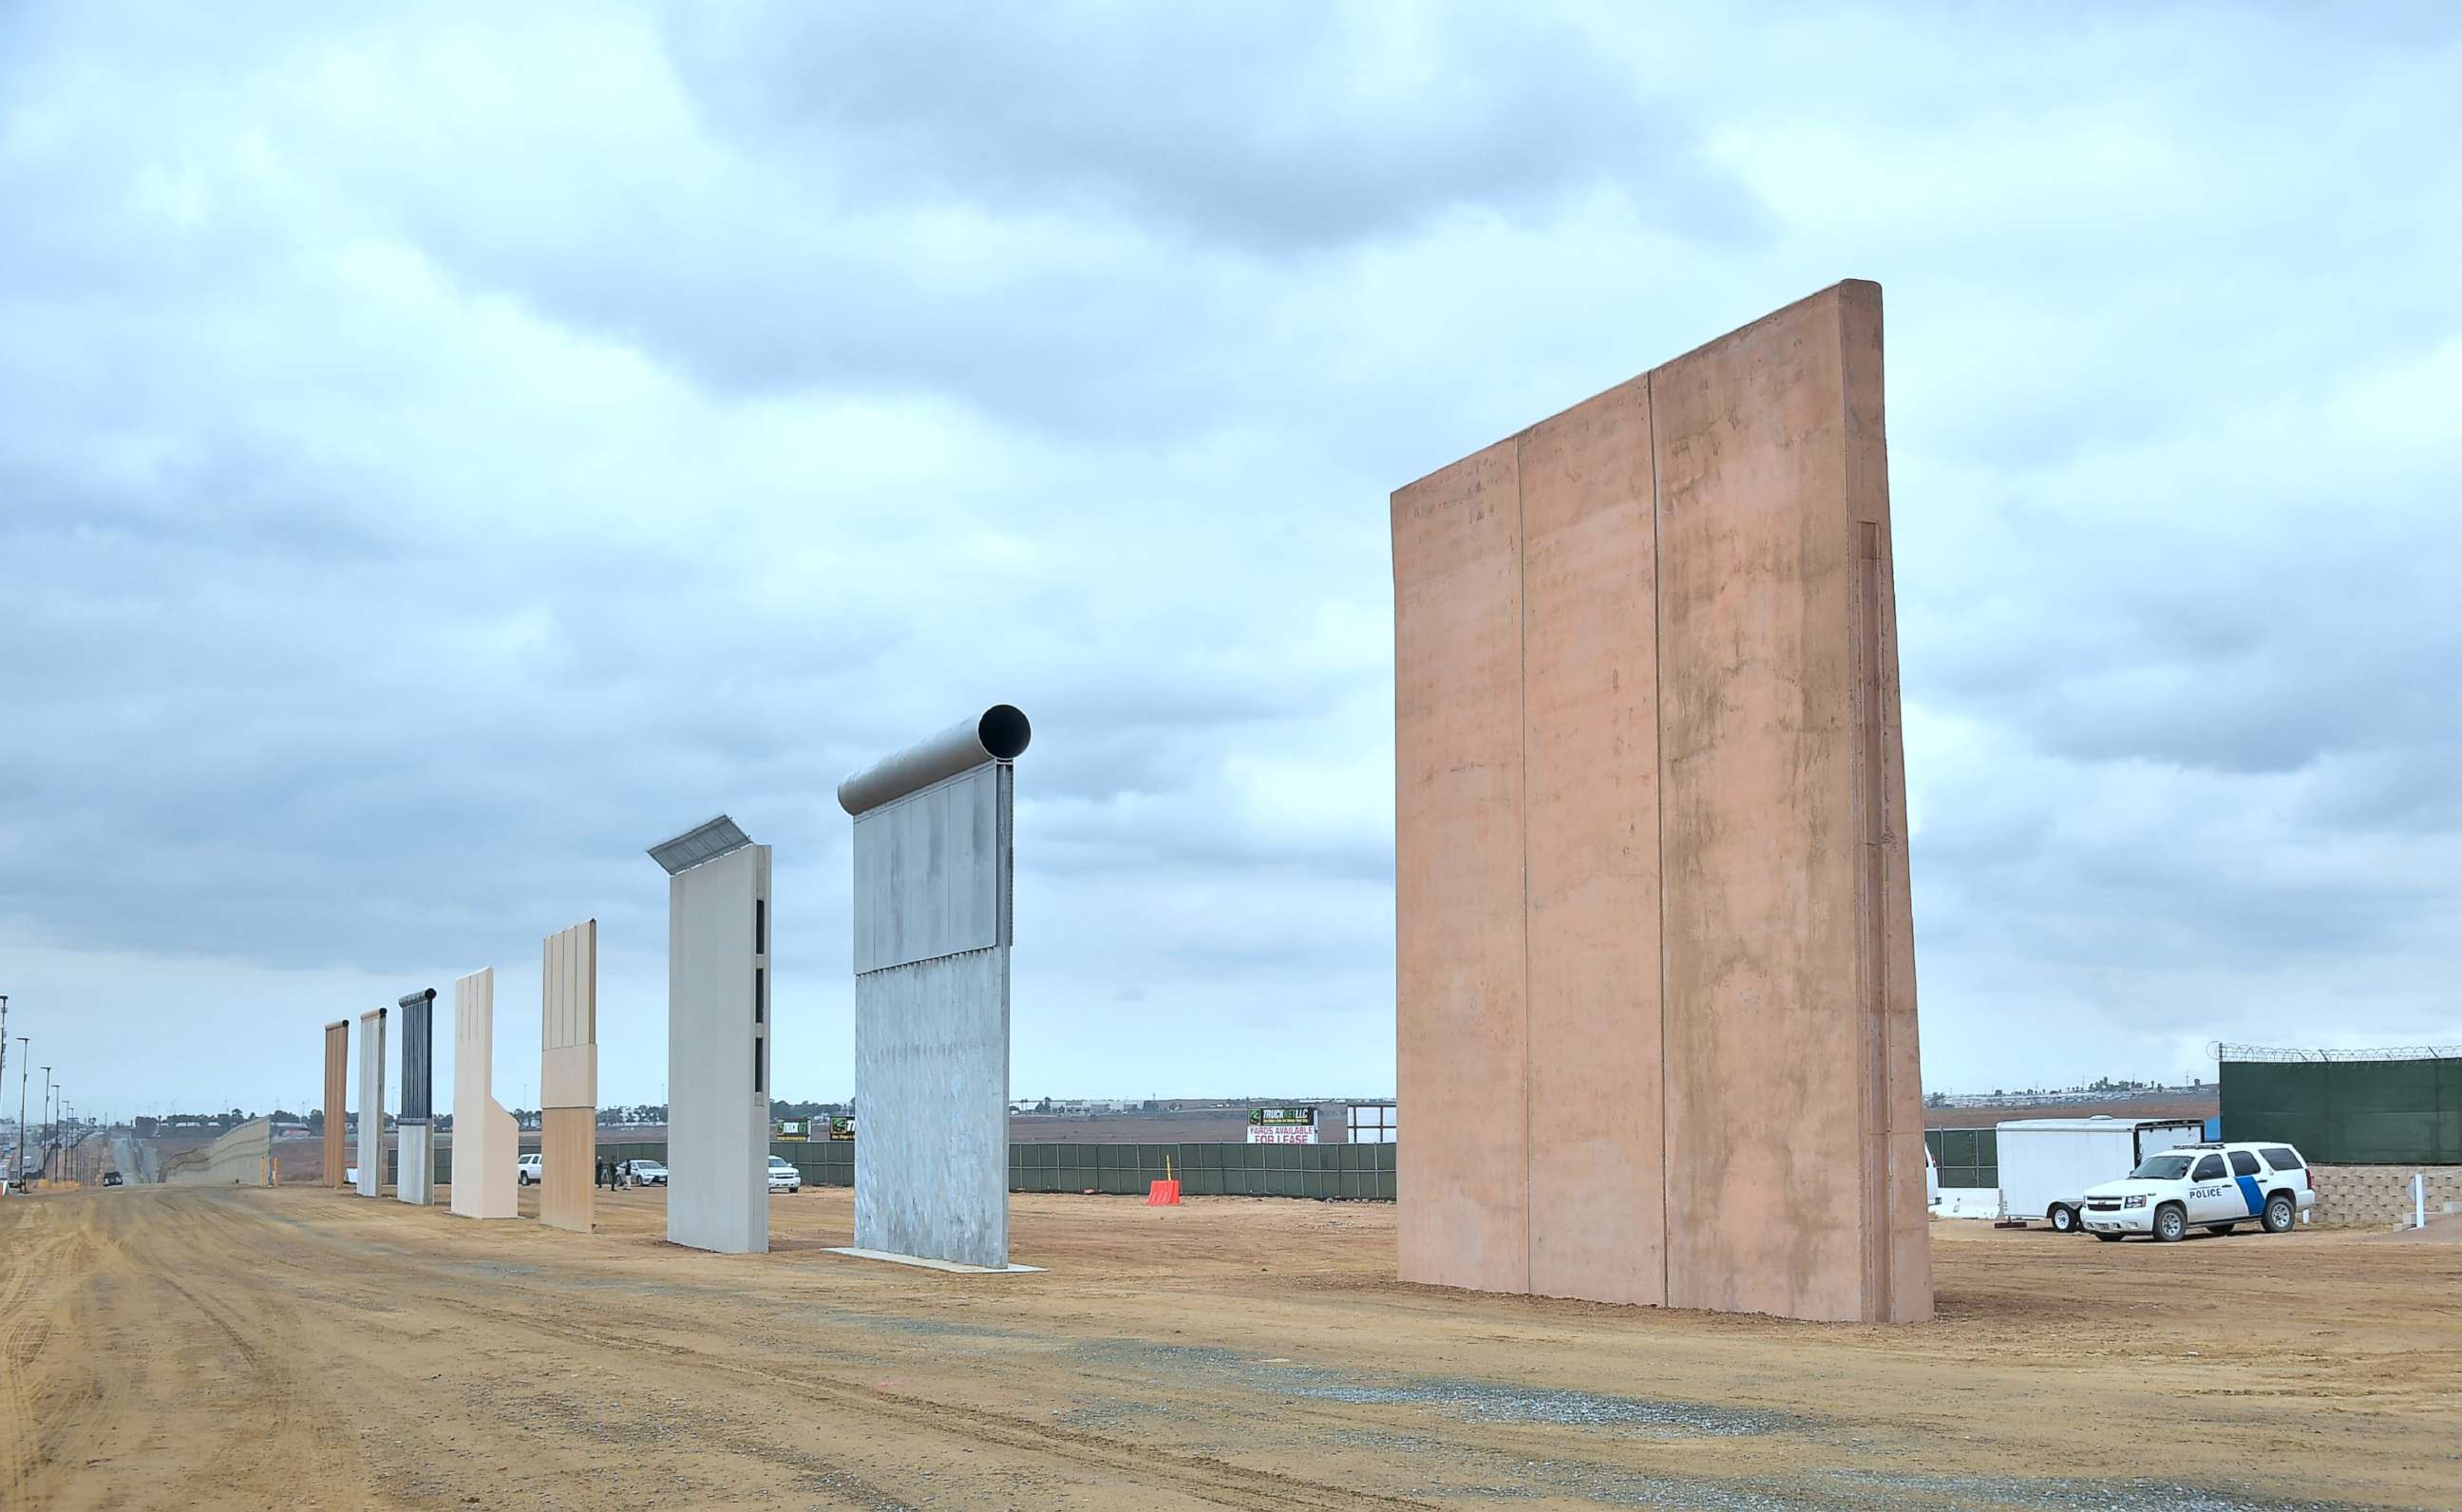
(569, 1076)
(337, 1086)
(1655, 964)
(486, 1140)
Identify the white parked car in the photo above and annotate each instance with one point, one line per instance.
(528, 1169)
(784, 1177)
(2215, 1187)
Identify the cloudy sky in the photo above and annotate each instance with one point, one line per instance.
(440, 455)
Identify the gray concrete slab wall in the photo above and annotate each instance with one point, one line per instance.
(718, 1049)
(931, 1076)
(413, 1177)
(933, 892)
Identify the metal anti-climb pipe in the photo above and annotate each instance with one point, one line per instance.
(999, 733)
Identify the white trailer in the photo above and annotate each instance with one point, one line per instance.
(2046, 1164)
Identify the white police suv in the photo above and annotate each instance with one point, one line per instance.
(2215, 1187)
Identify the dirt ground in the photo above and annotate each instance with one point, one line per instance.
(199, 1347)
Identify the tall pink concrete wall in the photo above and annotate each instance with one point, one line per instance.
(1656, 965)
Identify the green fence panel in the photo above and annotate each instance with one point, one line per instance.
(2349, 1113)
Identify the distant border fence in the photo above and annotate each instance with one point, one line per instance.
(1356, 1173)
(1965, 1158)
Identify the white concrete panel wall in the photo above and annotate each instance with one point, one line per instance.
(371, 1140)
(930, 1072)
(717, 1054)
(415, 1174)
(485, 1142)
(932, 906)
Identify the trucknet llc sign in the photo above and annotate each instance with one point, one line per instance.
(1281, 1126)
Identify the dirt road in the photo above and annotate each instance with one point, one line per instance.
(187, 1347)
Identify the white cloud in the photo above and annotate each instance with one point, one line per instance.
(444, 453)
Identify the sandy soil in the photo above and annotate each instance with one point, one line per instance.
(187, 1347)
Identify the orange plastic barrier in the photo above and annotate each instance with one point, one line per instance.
(1162, 1194)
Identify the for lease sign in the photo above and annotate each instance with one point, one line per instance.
(1281, 1126)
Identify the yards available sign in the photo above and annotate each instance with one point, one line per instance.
(1281, 1126)
(842, 1128)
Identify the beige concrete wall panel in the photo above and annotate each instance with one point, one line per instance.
(1462, 1033)
(337, 1092)
(486, 1140)
(568, 1157)
(1591, 758)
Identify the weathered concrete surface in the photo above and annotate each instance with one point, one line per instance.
(337, 1092)
(1590, 852)
(931, 1076)
(414, 1174)
(569, 1076)
(371, 1069)
(1655, 964)
(718, 1088)
(933, 877)
(486, 1140)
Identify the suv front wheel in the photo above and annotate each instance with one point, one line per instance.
(2064, 1221)
(2279, 1213)
(2170, 1223)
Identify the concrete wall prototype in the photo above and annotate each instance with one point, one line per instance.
(372, 1068)
(718, 1054)
(241, 1157)
(486, 1142)
(1655, 964)
(933, 864)
(415, 1171)
(337, 1092)
(569, 1076)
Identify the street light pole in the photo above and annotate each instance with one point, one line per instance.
(19, 1174)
